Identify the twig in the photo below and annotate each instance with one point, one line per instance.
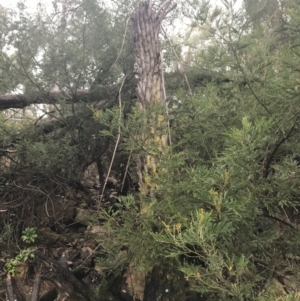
(126, 171)
(244, 74)
(120, 109)
(118, 138)
(126, 28)
(7, 150)
(269, 158)
(291, 225)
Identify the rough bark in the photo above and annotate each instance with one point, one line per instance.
(148, 56)
(164, 282)
(150, 80)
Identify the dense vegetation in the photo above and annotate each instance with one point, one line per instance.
(225, 201)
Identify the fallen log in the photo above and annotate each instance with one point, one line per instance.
(36, 288)
(66, 283)
(9, 289)
(19, 101)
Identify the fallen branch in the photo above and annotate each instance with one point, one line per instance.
(19, 101)
(9, 289)
(79, 287)
(36, 288)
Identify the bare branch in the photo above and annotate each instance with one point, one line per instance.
(19, 101)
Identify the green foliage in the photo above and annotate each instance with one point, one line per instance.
(29, 235)
(22, 257)
(7, 232)
(226, 202)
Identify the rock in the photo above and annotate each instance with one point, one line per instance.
(83, 205)
(112, 181)
(87, 255)
(134, 284)
(96, 230)
(83, 198)
(70, 238)
(46, 236)
(91, 178)
(88, 184)
(21, 270)
(93, 234)
(55, 253)
(84, 216)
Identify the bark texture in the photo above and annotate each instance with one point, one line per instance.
(162, 281)
(148, 55)
(150, 85)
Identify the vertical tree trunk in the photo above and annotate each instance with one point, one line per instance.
(150, 80)
(149, 62)
(164, 282)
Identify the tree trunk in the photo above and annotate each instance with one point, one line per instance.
(150, 82)
(148, 57)
(164, 282)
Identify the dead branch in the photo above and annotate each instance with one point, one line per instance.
(19, 101)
